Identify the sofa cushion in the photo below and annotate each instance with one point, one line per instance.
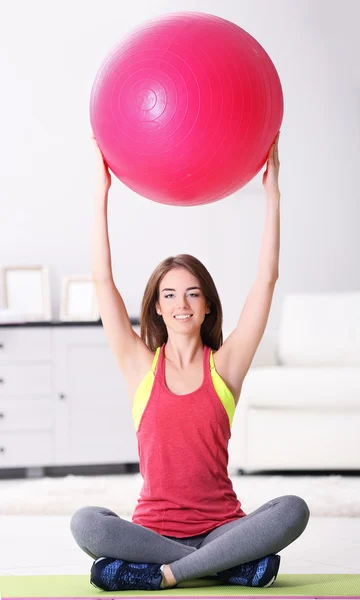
(289, 387)
(320, 330)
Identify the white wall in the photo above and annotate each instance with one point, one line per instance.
(50, 51)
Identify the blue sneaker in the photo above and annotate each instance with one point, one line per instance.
(257, 573)
(112, 574)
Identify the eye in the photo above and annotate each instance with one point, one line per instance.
(194, 295)
(168, 295)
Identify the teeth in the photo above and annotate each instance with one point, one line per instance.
(182, 316)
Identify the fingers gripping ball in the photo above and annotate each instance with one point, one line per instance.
(185, 109)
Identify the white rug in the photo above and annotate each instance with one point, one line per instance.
(326, 496)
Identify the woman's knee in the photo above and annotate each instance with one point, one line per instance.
(297, 512)
(81, 520)
(92, 528)
(85, 521)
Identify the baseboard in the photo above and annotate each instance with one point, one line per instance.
(62, 470)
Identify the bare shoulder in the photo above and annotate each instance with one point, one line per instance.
(136, 364)
(228, 374)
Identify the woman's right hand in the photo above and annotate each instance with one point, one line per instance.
(103, 177)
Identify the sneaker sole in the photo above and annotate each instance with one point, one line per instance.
(95, 586)
(92, 583)
(270, 582)
(275, 576)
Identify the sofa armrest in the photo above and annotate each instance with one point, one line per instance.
(265, 356)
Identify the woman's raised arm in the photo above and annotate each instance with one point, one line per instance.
(123, 341)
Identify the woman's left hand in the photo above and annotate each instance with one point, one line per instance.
(271, 176)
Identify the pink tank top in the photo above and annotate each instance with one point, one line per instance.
(183, 452)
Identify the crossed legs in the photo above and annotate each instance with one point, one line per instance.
(267, 530)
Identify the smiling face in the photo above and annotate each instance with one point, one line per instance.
(181, 301)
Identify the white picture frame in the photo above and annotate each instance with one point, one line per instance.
(26, 293)
(78, 299)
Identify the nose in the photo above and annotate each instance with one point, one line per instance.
(183, 303)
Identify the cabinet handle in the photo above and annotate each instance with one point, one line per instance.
(2, 380)
(1, 346)
(62, 396)
(2, 450)
(2, 415)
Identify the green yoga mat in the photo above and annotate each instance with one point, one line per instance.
(78, 586)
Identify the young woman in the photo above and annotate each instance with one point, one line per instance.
(185, 384)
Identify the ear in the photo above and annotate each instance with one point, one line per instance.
(157, 308)
(208, 310)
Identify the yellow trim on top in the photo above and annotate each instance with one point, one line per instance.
(225, 396)
(143, 392)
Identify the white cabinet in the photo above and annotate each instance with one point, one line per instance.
(63, 399)
(26, 404)
(93, 412)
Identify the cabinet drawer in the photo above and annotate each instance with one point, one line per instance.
(32, 343)
(30, 379)
(18, 414)
(26, 449)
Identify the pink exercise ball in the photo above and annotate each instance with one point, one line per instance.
(186, 108)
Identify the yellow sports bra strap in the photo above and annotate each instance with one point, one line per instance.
(212, 364)
(156, 358)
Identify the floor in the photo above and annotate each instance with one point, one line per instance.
(36, 545)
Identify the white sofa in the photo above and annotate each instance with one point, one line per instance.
(300, 405)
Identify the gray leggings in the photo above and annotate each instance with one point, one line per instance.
(100, 532)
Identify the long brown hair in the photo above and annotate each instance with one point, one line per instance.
(152, 327)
